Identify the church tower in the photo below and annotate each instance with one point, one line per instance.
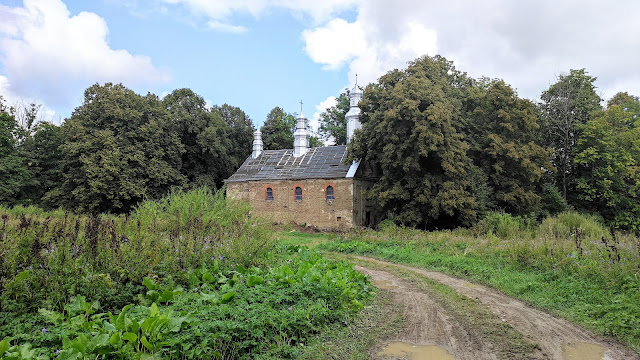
(353, 116)
(300, 136)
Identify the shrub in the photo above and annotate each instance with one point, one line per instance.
(552, 200)
(566, 224)
(505, 226)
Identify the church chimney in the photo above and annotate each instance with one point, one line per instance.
(300, 138)
(353, 116)
(257, 144)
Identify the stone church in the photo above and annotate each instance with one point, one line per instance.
(311, 186)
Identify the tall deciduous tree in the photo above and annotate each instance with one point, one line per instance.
(119, 148)
(565, 106)
(205, 137)
(277, 131)
(240, 132)
(43, 155)
(502, 131)
(333, 123)
(608, 166)
(14, 172)
(630, 103)
(409, 136)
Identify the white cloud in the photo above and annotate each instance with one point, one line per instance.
(220, 12)
(360, 45)
(50, 55)
(218, 26)
(335, 43)
(526, 43)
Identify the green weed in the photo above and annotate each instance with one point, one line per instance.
(50, 257)
(239, 313)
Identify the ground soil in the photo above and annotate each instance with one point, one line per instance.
(433, 331)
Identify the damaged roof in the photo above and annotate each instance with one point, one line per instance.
(325, 162)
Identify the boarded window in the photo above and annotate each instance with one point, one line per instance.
(328, 194)
(298, 193)
(269, 195)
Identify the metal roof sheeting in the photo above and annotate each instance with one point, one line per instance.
(321, 162)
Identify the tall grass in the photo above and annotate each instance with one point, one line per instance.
(48, 257)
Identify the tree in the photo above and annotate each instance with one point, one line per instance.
(410, 138)
(277, 131)
(240, 133)
(566, 105)
(205, 137)
(27, 116)
(502, 131)
(315, 142)
(608, 167)
(43, 155)
(14, 172)
(627, 102)
(333, 123)
(119, 149)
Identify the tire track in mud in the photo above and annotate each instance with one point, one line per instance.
(428, 323)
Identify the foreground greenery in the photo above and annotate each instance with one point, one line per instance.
(569, 265)
(190, 276)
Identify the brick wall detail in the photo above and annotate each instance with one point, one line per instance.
(314, 209)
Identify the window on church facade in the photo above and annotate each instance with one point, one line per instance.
(269, 195)
(328, 194)
(298, 193)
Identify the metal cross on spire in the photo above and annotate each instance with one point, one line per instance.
(300, 106)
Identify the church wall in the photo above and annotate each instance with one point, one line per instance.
(313, 209)
(364, 211)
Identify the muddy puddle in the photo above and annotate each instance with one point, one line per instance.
(402, 350)
(384, 284)
(582, 351)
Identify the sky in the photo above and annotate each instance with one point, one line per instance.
(258, 54)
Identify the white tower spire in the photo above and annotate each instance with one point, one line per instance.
(353, 116)
(257, 144)
(300, 136)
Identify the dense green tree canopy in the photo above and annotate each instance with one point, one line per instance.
(119, 149)
(240, 132)
(565, 106)
(278, 128)
(43, 155)
(607, 160)
(627, 102)
(502, 131)
(205, 137)
(333, 123)
(14, 171)
(409, 136)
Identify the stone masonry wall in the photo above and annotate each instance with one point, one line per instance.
(313, 209)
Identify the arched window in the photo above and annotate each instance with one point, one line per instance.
(298, 193)
(269, 194)
(328, 194)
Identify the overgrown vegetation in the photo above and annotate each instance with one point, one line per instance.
(570, 264)
(190, 276)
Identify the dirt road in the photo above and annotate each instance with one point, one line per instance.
(436, 330)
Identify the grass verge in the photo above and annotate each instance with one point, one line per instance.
(354, 339)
